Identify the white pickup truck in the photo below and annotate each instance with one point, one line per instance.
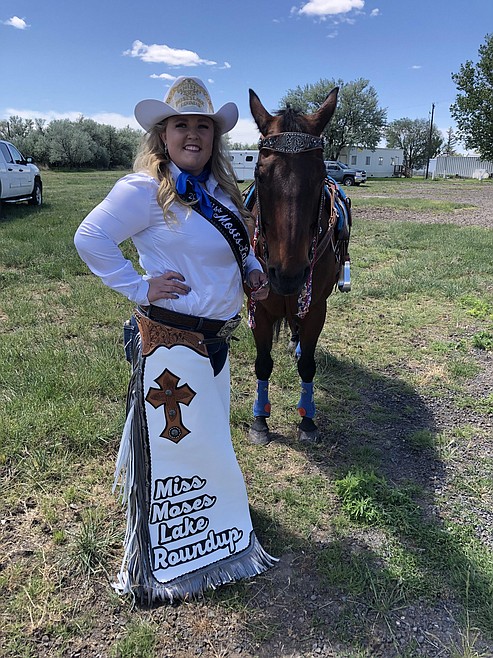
(20, 179)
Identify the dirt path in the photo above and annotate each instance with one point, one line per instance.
(479, 196)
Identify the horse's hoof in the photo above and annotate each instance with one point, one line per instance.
(258, 438)
(312, 436)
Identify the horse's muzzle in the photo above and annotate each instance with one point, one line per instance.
(284, 283)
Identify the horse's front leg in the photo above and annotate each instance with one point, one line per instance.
(309, 332)
(263, 334)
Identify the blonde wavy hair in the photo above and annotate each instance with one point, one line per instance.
(152, 159)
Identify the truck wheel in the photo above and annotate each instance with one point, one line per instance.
(37, 195)
(348, 180)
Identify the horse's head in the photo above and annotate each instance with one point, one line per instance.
(290, 175)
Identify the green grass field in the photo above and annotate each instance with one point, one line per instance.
(391, 511)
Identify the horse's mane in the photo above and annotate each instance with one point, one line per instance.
(290, 119)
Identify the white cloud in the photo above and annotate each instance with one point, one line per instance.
(245, 132)
(330, 7)
(416, 67)
(114, 119)
(375, 12)
(18, 23)
(163, 54)
(110, 118)
(163, 76)
(51, 115)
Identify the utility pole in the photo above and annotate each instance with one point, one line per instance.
(429, 140)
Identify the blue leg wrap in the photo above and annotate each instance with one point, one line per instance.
(306, 405)
(261, 406)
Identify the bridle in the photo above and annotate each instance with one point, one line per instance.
(293, 143)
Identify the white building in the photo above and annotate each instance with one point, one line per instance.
(378, 163)
(463, 166)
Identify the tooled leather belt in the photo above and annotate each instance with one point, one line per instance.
(192, 322)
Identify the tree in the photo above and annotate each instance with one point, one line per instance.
(35, 145)
(357, 121)
(128, 142)
(28, 135)
(473, 108)
(240, 146)
(450, 142)
(15, 128)
(80, 143)
(70, 146)
(99, 135)
(413, 136)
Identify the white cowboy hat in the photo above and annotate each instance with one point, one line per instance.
(186, 95)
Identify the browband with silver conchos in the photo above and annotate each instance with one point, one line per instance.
(291, 142)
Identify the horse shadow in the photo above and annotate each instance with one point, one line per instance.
(380, 449)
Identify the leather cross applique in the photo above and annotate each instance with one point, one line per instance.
(171, 396)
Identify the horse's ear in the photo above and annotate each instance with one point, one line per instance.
(259, 113)
(323, 115)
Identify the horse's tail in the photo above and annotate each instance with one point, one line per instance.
(278, 324)
(285, 324)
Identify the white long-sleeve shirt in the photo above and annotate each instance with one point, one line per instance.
(190, 246)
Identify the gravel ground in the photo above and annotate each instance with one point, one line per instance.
(290, 614)
(478, 196)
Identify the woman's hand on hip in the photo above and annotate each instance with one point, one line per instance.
(169, 285)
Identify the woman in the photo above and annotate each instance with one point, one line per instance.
(188, 524)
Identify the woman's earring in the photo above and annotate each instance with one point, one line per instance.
(166, 152)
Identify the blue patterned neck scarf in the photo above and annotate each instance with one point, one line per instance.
(187, 183)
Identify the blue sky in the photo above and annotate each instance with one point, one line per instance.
(61, 58)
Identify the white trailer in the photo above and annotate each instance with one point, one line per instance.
(378, 163)
(244, 164)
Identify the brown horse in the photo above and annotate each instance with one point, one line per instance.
(301, 243)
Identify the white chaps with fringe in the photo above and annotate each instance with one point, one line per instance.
(188, 520)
